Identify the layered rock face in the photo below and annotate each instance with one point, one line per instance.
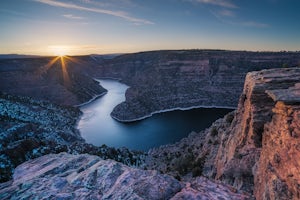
(64, 81)
(65, 176)
(162, 80)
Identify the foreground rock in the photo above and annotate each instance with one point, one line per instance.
(255, 150)
(65, 176)
(162, 80)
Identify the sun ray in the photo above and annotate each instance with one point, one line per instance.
(66, 77)
(46, 67)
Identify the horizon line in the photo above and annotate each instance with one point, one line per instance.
(142, 51)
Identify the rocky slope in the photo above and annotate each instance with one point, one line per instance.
(63, 81)
(65, 176)
(31, 128)
(162, 80)
(254, 149)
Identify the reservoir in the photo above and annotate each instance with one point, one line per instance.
(98, 127)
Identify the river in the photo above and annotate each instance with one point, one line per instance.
(98, 127)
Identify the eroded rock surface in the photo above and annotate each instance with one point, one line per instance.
(65, 176)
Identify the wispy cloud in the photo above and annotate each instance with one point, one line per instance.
(70, 16)
(221, 3)
(254, 24)
(235, 22)
(120, 14)
(12, 12)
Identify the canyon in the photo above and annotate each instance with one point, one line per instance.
(250, 153)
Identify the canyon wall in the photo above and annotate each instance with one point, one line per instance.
(162, 80)
(158, 80)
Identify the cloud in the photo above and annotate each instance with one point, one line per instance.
(70, 16)
(254, 24)
(221, 3)
(120, 14)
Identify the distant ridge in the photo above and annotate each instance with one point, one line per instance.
(105, 56)
(14, 56)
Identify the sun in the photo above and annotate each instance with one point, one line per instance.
(59, 50)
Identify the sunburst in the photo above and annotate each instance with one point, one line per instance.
(64, 62)
(60, 50)
(64, 67)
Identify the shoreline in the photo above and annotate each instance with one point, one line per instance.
(169, 110)
(91, 100)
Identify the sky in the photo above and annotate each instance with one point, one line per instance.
(80, 27)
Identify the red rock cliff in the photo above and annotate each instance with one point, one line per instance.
(278, 170)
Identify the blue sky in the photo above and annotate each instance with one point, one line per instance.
(116, 26)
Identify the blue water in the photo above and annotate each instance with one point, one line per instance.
(97, 126)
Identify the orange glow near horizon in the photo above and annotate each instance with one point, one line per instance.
(60, 50)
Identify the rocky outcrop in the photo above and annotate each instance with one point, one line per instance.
(240, 151)
(254, 149)
(65, 176)
(63, 81)
(163, 80)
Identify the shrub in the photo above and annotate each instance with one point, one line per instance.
(213, 131)
(229, 117)
(197, 171)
